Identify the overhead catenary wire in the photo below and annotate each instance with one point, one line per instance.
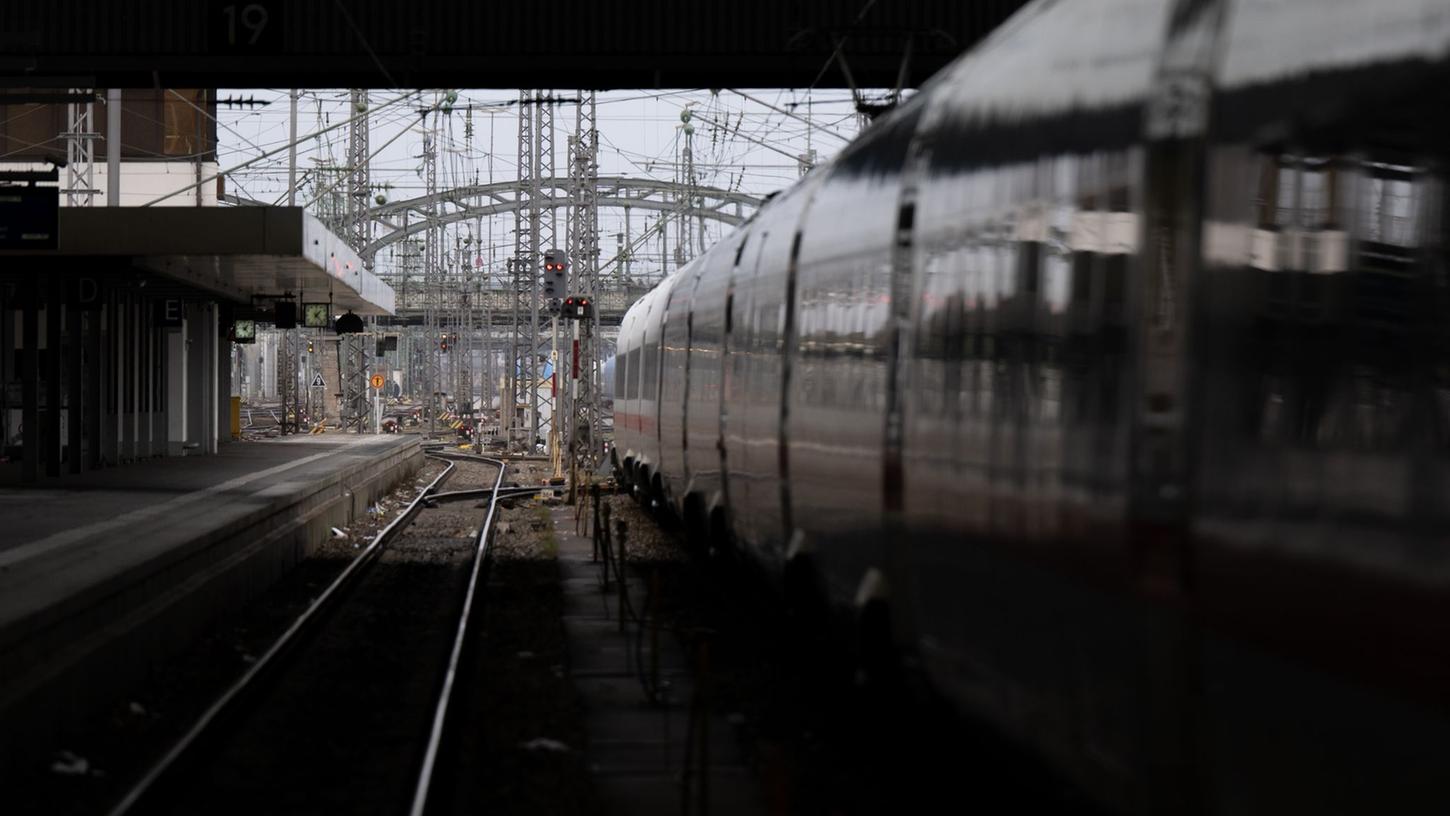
(273, 152)
(746, 146)
(319, 193)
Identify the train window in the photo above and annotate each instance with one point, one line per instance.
(1387, 213)
(1006, 271)
(1284, 203)
(650, 376)
(1314, 198)
(1298, 192)
(634, 373)
(1268, 194)
(628, 374)
(644, 378)
(651, 382)
(1056, 281)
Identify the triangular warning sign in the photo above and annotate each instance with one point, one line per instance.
(317, 381)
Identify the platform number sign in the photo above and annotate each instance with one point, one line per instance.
(84, 293)
(245, 28)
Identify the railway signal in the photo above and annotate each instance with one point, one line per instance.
(556, 270)
(577, 307)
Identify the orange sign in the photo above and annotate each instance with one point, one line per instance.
(377, 381)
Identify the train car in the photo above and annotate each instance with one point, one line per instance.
(637, 383)
(1113, 369)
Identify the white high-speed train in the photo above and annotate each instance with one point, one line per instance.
(1113, 370)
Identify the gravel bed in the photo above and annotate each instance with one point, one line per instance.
(91, 768)
(523, 531)
(518, 744)
(529, 472)
(347, 542)
(646, 540)
(470, 475)
(341, 728)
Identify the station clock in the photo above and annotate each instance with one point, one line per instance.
(316, 315)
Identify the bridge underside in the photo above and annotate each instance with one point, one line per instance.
(493, 306)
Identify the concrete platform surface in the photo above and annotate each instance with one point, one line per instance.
(110, 570)
(61, 535)
(638, 748)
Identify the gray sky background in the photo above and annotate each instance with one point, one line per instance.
(739, 144)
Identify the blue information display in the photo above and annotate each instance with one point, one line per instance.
(28, 217)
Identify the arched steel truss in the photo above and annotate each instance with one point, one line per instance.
(407, 217)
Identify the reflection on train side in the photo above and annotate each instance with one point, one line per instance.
(1319, 219)
(1335, 243)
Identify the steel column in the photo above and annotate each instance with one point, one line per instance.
(75, 377)
(51, 440)
(30, 382)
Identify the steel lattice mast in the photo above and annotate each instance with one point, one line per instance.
(80, 151)
(583, 425)
(523, 280)
(352, 348)
(432, 364)
(545, 236)
(467, 364)
(535, 228)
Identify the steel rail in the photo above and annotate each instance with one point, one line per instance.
(440, 714)
(503, 492)
(243, 684)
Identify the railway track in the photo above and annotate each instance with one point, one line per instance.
(346, 712)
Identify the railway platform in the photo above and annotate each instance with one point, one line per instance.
(104, 573)
(645, 756)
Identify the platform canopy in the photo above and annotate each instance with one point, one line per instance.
(235, 253)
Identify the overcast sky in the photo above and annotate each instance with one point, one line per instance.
(739, 144)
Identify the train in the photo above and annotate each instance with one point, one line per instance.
(1112, 370)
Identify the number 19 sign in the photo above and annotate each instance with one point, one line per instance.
(245, 28)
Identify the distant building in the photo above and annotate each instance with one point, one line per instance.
(168, 141)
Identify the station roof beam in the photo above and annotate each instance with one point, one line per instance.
(598, 44)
